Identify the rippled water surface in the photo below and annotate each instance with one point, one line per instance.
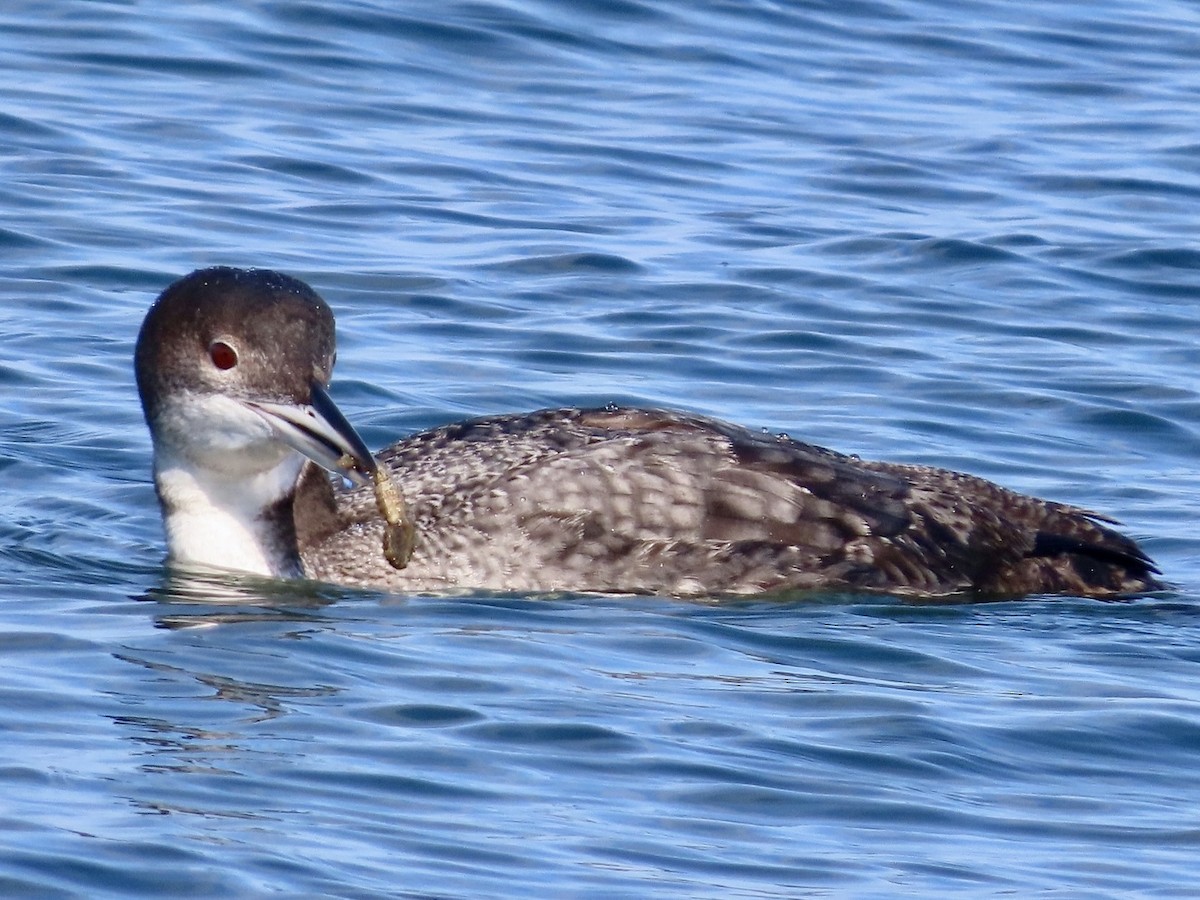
(957, 234)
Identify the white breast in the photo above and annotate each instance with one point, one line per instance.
(218, 468)
(210, 522)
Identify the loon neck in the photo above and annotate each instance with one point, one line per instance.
(215, 521)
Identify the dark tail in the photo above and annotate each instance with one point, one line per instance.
(1075, 552)
(1087, 558)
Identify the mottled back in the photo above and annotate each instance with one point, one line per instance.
(650, 501)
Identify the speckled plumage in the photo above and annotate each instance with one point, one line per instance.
(628, 500)
(652, 501)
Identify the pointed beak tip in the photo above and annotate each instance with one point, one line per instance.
(319, 431)
(357, 468)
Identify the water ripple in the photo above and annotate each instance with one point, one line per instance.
(905, 230)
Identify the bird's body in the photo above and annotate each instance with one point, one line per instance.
(612, 500)
(651, 501)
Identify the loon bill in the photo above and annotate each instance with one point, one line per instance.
(232, 368)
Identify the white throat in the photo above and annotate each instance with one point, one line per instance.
(221, 473)
(215, 520)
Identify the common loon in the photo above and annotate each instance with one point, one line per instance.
(232, 369)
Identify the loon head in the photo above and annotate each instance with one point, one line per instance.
(232, 367)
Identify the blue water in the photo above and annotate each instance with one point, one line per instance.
(921, 230)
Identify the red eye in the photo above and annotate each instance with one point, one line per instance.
(222, 355)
